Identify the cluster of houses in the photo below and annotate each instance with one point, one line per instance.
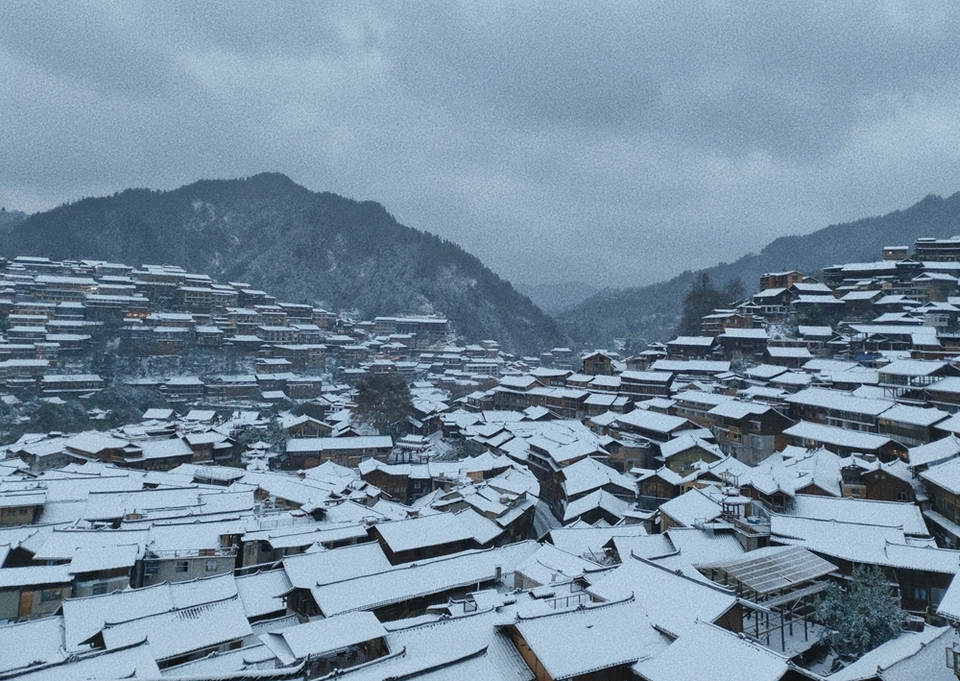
(667, 516)
(55, 314)
(205, 572)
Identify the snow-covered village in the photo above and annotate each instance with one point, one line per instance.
(229, 486)
(497, 341)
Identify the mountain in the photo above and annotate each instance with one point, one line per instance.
(651, 313)
(298, 245)
(10, 219)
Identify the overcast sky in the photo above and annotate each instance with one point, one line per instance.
(620, 143)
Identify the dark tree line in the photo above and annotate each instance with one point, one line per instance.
(702, 299)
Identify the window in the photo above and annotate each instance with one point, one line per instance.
(182, 566)
(936, 595)
(48, 595)
(211, 566)
(151, 568)
(99, 588)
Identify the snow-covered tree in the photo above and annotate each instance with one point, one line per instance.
(384, 402)
(865, 613)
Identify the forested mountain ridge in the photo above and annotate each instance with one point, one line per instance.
(651, 313)
(10, 218)
(299, 245)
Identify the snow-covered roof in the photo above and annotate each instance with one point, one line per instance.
(693, 341)
(94, 559)
(136, 661)
(935, 452)
(905, 516)
(673, 602)
(464, 647)
(606, 636)
(950, 604)
(35, 575)
(178, 632)
(792, 378)
(309, 569)
(945, 475)
(686, 441)
(858, 543)
(591, 540)
(765, 371)
(915, 416)
(738, 409)
(697, 546)
(709, 652)
(158, 414)
(164, 449)
(912, 367)
(950, 425)
(408, 581)
(763, 393)
(84, 617)
(948, 384)
(788, 352)
(22, 498)
(692, 507)
(701, 398)
(920, 335)
(314, 444)
(754, 334)
(323, 636)
(589, 474)
(550, 564)
(815, 331)
(92, 442)
(26, 644)
(842, 437)
(660, 377)
(769, 293)
(600, 499)
(795, 469)
(688, 366)
(261, 593)
(879, 662)
(839, 401)
(652, 421)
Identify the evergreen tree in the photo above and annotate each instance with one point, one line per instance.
(865, 614)
(65, 417)
(702, 299)
(384, 402)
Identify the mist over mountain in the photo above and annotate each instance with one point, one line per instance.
(651, 313)
(299, 245)
(554, 298)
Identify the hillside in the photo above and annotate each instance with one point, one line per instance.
(10, 219)
(651, 313)
(299, 245)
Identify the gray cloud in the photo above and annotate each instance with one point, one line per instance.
(621, 142)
